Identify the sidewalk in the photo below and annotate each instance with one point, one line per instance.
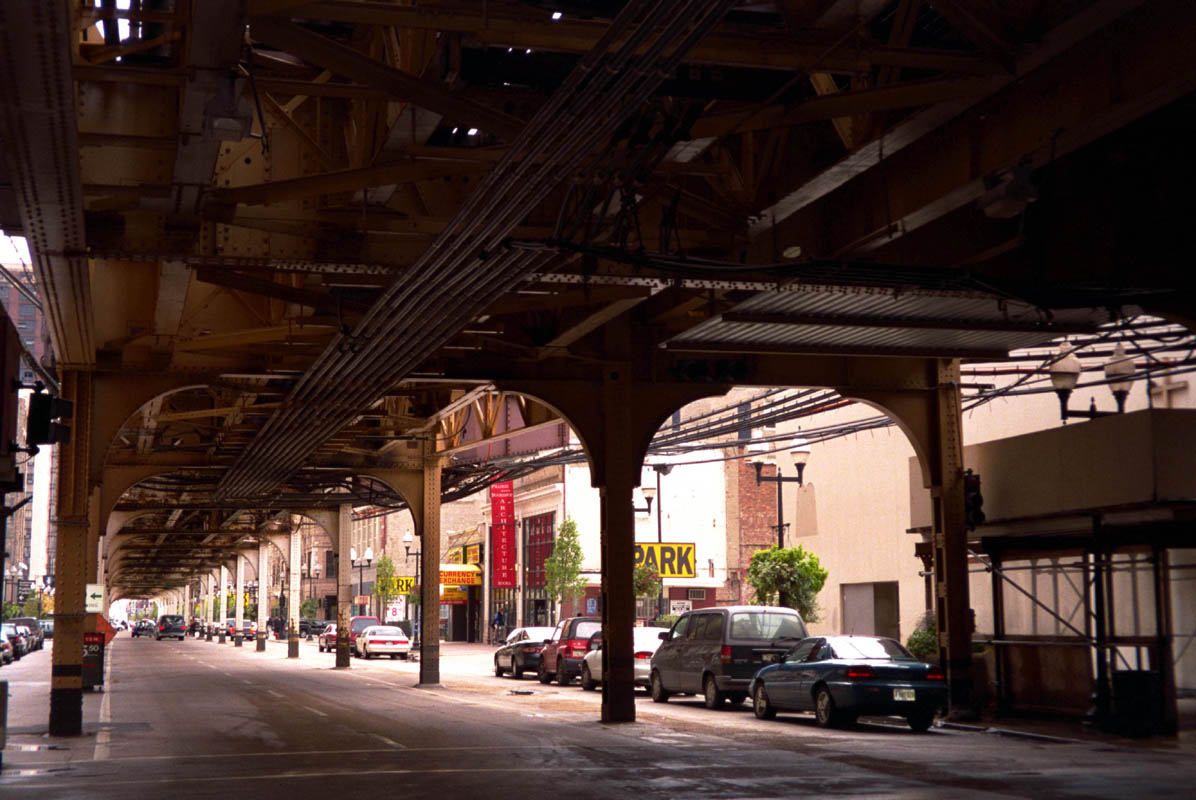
(1065, 729)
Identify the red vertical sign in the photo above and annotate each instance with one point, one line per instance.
(502, 535)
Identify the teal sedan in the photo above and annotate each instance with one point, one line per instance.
(841, 678)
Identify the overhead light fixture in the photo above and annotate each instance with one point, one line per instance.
(556, 15)
(792, 251)
(472, 132)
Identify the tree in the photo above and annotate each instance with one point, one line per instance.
(385, 587)
(562, 569)
(790, 577)
(646, 581)
(309, 608)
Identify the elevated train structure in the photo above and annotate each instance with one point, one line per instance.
(292, 252)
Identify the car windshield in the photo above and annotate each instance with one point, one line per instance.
(766, 625)
(854, 647)
(584, 629)
(387, 632)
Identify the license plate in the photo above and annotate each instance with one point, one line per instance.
(906, 695)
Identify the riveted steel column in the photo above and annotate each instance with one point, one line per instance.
(210, 581)
(74, 523)
(429, 604)
(263, 600)
(621, 475)
(73, 551)
(344, 583)
(239, 603)
(223, 603)
(952, 594)
(293, 598)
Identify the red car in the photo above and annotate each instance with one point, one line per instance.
(356, 626)
(563, 652)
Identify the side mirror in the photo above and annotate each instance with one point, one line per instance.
(663, 636)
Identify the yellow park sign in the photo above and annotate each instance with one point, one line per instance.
(396, 584)
(669, 559)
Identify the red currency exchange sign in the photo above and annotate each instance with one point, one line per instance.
(502, 535)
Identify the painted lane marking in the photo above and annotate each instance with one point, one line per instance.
(276, 694)
(315, 711)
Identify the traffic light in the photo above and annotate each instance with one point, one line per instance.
(973, 501)
(41, 427)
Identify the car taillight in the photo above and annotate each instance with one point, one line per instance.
(935, 674)
(161, 627)
(643, 654)
(724, 655)
(860, 673)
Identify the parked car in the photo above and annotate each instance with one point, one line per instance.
(520, 652)
(26, 639)
(311, 627)
(383, 640)
(356, 626)
(36, 637)
(717, 651)
(249, 629)
(564, 650)
(645, 642)
(6, 654)
(171, 626)
(841, 678)
(13, 637)
(327, 638)
(48, 627)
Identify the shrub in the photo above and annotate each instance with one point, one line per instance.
(924, 641)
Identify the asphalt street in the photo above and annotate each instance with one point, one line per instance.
(197, 719)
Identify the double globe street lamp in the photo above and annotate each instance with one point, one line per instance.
(1065, 373)
(408, 539)
(797, 452)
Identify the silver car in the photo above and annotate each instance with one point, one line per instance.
(644, 640)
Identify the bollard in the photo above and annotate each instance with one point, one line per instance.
(237, 638)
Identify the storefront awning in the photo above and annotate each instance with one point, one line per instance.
(460, 575)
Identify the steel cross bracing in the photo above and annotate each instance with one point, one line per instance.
(423, 309)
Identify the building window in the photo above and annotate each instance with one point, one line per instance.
(745, 429)
(538, 536)
(697, 594)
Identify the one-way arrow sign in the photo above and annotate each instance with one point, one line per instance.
(94, 598)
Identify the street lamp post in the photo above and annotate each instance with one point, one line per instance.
(1065, 373)
(407, 540)
(798, 453)
(361, 564)
(659, 469)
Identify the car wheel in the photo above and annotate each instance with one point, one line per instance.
(587, 680)
(824, 708)
(516, 670)
(562, 674)
(393, 656)
(659, 695)
(711, 696)
(760, 704)
(920, 721)
(498, 671)
(542, 674)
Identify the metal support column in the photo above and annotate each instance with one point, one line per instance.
(344, 583)
(1163, 655)
(221, 629)
(293, 598)
(429, 606)
(953, 605)
(620, 476)
(239, 603)
(263, 601)
(74, 522)
(211, 609)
